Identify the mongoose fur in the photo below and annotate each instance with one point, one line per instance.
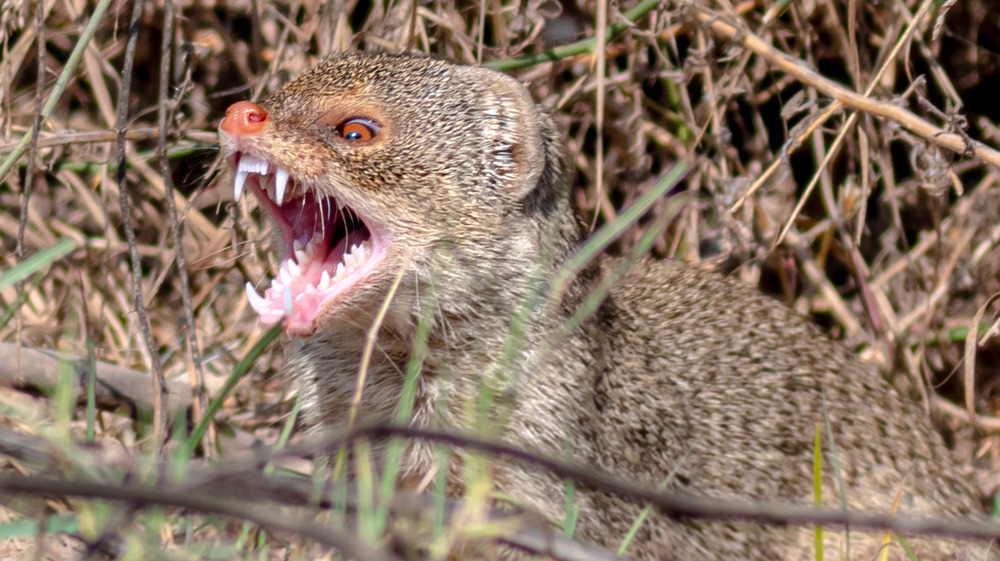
(459, 179)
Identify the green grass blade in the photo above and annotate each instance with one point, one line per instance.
(580, 47)
(241, 370)
(36, 262)
(610, 232)
(28, 529)
(818, 486)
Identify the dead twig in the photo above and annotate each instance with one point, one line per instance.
(159, 385)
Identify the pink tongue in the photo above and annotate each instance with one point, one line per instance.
(312, 272)
(304, 216)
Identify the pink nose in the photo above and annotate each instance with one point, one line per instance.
(243, 117)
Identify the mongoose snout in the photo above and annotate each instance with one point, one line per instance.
(441, 190)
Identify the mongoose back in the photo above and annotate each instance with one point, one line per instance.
(445, 187)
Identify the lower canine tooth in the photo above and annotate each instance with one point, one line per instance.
(288, 302)
(238, 181)
(257, 302)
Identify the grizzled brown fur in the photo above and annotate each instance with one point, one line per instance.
(680, 369)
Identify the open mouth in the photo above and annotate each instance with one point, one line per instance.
(326, 247)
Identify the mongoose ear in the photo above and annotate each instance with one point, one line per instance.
(518, 130)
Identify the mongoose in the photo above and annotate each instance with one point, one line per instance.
(446, 185)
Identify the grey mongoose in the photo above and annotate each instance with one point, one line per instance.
(445, 186)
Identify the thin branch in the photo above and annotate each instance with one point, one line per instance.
(671, 503)
(36, 125)
(199, 502)
(159, 386)
(64, 137)
(166, 108)
(515, 528)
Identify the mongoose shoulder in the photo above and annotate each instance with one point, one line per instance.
(443, 187)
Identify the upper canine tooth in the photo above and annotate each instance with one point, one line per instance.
(280, 181)
(238, 181)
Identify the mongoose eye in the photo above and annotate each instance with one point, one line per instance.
(359, 130)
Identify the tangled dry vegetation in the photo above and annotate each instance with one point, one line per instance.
(839, 153)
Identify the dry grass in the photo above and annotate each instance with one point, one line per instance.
(861, 219)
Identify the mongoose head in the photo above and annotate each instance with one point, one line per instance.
(373, 166)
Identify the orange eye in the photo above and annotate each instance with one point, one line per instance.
(358, 130)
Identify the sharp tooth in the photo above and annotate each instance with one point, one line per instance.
(324, 280)
(297, 245)
(238, 181)
(301, 256)
(294, 268)
(285, 276)
(257, 302)
(280, 181)
(340, 271)
(288, 302)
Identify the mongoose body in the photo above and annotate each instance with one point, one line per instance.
(443, 189)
